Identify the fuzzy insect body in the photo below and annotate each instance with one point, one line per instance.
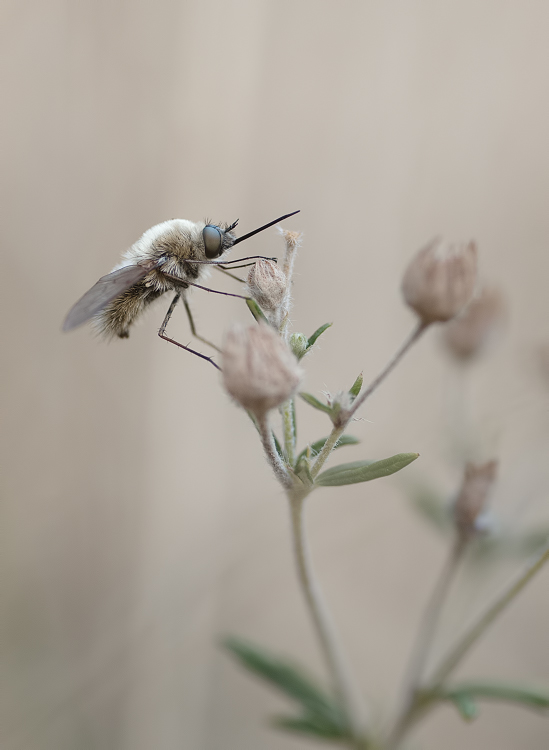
(171, 256)
(166, 248)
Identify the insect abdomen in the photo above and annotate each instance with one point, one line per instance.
(118, 315)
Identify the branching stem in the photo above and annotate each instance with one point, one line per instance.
(423, 701)
(346, 417)
(474, 632)
(426, 632)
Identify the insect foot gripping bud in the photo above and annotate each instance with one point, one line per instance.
(471, 501)
(469, 333)
(440, 280)
(267, 285)
(259, 370)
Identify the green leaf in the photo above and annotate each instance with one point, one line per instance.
(311, 725)
(256, 311)
(294, 421)
(356, 386)
(317, 333)
(278, 447)
(318, 445)
(465, 694)
(364, 471)
(275, 439)
(288, 678)
(315, 403)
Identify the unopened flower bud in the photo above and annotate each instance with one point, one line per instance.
(469, 333)
(440, 280)
(267, 285)
(341, 402)
(259, 370)
(469, 508)
(299, 343)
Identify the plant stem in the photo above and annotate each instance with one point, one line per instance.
(327, 448)
(475, 631)
(287, 412)
(426, 700)
(346, 417)
(407, 344)
(343, 685)
(424, 641)
(265, 432)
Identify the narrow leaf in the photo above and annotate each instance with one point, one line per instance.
(317, 333)
(294, 422)
(287, 677)
(364, 471)
(318, 445)
(356, 386)
(256, 311)
(314, 402)
(275, 439)
(529, 697)
(278, 448)
(311, 725)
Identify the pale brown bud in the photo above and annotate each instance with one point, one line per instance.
(469, 333)
(259, 370)
(267, 285)
(473, 495)
(440, 280)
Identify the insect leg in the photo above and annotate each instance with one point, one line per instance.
(171, 308)
(232, 275)
(193, 329)
(205, 288)
(162, 333)
(246, 265)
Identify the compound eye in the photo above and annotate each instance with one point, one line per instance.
(213, 241)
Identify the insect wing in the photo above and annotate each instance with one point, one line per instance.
(104, 291)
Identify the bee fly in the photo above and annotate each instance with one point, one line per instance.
(171, 256)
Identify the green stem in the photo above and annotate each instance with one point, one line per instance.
(288, 426)
(327, 448)
(476, 630)
(424, 641)
(425, 700)
(343, 685)
(389, 367)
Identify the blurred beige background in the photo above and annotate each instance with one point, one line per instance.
(139, 520)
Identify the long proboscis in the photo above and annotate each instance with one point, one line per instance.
(265, 226)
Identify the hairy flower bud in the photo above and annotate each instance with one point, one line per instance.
(259, 370)
(440, 280)
(469, 333)
(471, 501)
(267, 285)
(299, 344)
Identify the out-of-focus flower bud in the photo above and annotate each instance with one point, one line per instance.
(259, 370)
(299, 343)
(473, 495)
(267, 285)
(469, 333)
(440, 280)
